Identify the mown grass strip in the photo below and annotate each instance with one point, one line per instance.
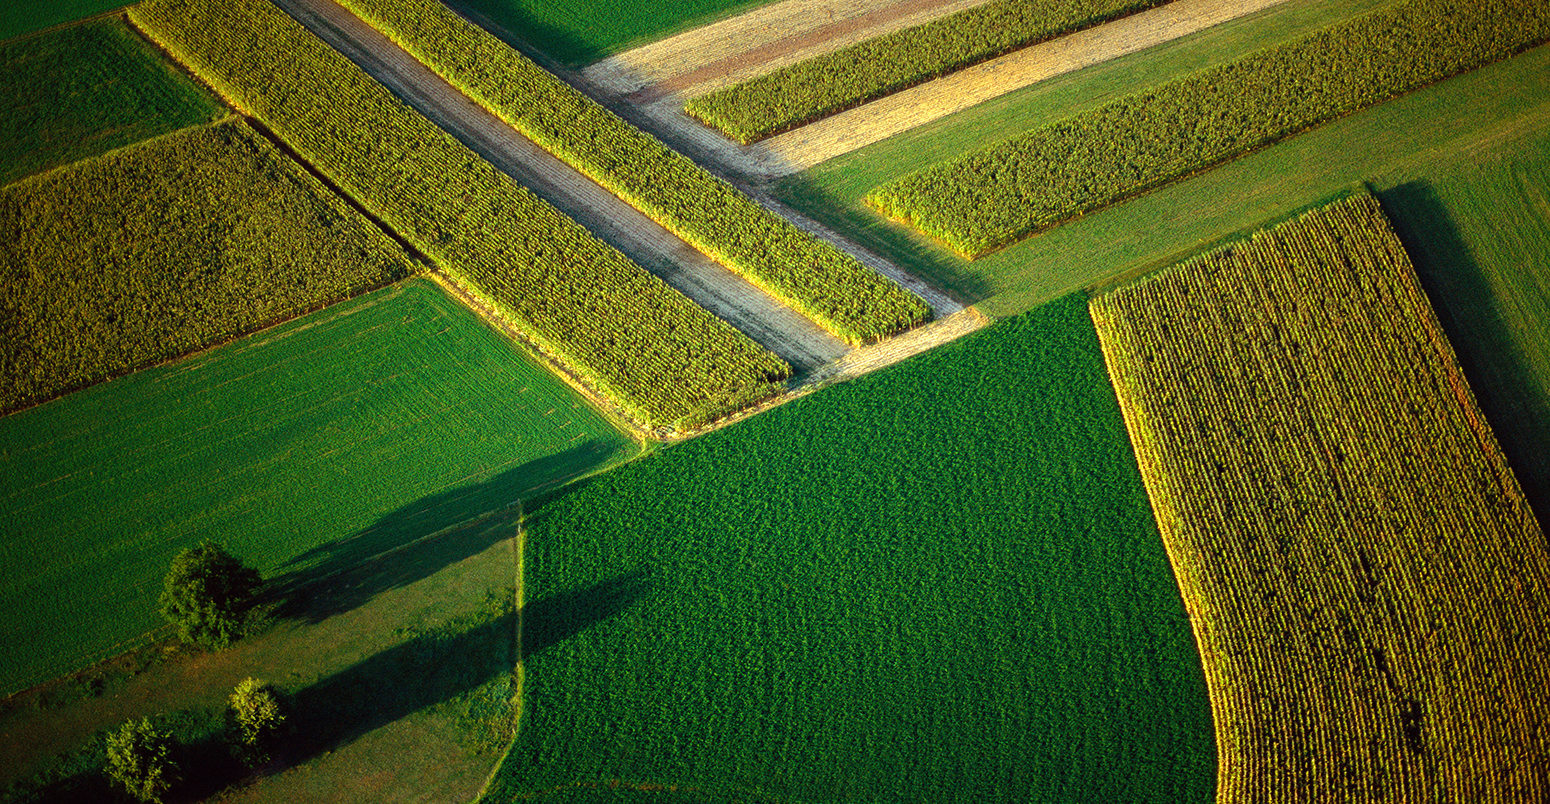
(1368, 585)
(626, 333)
(822, 282)
(800, 93)
(157, 250)
(84, 90)
(985, 199)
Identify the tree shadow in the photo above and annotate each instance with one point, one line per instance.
(1494, 364)
(551, 620)
(417, 540)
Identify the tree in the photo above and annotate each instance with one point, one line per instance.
(256, 712)
(207, 595)
(140, 759)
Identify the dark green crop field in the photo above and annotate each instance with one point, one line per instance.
(578, 31)
(307, 448)
(82, 90)
(939, 582)
(24, 16)
(154, 251)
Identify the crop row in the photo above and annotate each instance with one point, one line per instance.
(1367, 581)
(800, 93)
(661, 357)
(983, 200)
(162, 248)
(820, 281)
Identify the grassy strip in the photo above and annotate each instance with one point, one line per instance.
(166, 247)
(625, 332)
(952, 596)
(800, 93)
(822, 282)
(85, 90)
(307, 448)
(983, 200)
(1368, 585)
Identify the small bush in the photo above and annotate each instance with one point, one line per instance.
(140, 759)
(256, 717)
(208, 594)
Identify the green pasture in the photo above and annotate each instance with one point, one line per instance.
(82, 90)
(578, 32)
(1479, 235)
(25, 16)
(941, 582)
(1423, 131)
(307, 448)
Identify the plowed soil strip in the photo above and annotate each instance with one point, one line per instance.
(774, 325)
(759, 41)
(804, 147)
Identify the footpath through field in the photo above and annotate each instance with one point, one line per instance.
(804, 147)
(775, 326)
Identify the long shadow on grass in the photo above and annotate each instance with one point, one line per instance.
(417, 540)
(1461, 294)
(407, 678)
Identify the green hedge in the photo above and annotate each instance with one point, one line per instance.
(822, 282)
(824, 85)
(985, 199)
(156, 250)
(660, 356)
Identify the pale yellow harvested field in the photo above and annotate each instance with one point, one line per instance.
(1369, 589)
(813, 27)
(825, 139)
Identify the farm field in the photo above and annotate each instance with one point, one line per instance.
(102, 280)
(306, 448)
(812, 276)
(79, 91)
(406, 694)
(808, 90)
(1403, 140)
(577, 32)
(1365, 578)
(25, 16)
(872, 594)
(1480, 238)
(625, 333)
(983, 200)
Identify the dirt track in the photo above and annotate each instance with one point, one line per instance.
(774, 325)
(825, 139)
(711, 56)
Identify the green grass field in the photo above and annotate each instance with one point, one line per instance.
(89, 88)
(25, 16)
(578, 32)
(1410, 137)
(1479, 235)
(939, 582)
(159, 249)
(306, 448)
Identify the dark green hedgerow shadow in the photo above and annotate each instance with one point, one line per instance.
(417, 540)
(390, 685)
(1493, 362)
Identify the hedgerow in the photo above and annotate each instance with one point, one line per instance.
(985, 199)
(820, 281)
(831, 83)
(661, 357)
(157, 250)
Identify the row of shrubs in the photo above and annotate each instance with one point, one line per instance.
(831, 83)
(822, 282)
(626, 333)
(985, 199)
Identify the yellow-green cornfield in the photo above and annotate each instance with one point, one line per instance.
(623, 331)
(1368, 587)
